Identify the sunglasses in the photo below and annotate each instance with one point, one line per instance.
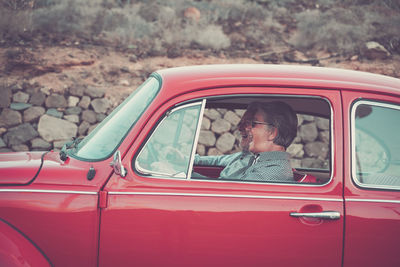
(253, 123)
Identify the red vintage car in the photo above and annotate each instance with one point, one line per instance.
(119, 198)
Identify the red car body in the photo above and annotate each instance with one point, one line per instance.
(83, 212)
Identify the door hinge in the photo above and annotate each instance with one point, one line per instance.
(103, 199)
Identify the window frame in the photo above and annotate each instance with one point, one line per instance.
(355, 104)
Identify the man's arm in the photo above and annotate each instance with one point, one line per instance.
(221, 160)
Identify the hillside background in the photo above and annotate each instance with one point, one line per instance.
(65, 64)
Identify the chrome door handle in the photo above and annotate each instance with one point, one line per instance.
(326, 215)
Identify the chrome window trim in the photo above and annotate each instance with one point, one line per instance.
(49, 191)
(224, 195)
(356, 103)
(372, 200)
(154, 173)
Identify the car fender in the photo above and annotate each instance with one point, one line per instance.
(16, 249)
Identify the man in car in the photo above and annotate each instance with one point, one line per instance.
(267, 129)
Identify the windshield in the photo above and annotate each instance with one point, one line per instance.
(104, 140)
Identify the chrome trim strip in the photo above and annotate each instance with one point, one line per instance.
(372, 200)
(49, 191)
(223, 195)
(353, 142)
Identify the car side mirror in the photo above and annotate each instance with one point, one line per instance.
(117, 164)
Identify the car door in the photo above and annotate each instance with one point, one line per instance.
(157, 215)
(372, 184)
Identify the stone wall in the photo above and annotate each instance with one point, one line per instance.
(219, 135)
(39, 119)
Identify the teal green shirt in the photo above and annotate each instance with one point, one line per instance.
(266, 166)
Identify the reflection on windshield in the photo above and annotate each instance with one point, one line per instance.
(104, 140)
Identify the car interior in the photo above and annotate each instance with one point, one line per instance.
(305, 164)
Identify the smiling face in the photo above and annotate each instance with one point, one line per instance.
(257, 137)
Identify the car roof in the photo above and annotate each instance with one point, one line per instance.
(206, 76)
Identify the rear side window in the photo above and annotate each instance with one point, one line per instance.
(376, 144)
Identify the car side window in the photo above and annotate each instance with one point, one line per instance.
(219, 142)
(376, 144)
(167, 151)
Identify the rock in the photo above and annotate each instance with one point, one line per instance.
(322, 123)
(89, 116)
(295, 163)
(220, 126)
(33, 113)
(307, 118)
(21, 97)
(20, 134)
(91, 128)
(72, 118)
(207, 138)
(73, 101)
(2, 144)
(73, 111)
(85, 102)
(300, 120)
(19, 148)
(83, 128)
(201, 150)
(192, 13)
(40, 144)
(19, 106)
(100, 105)
(55, 113)
(77, 90)
(313, 163)
(9, 117)
(324, 136)
(213, 152)
(296, 150)
(317, 150)
(174, 52)
(232, 118)
(100, 117)
(37, 98)
(212, 114)
(60, 143)
(52, 129)
(124, 82)
(240, 112)
(56, 101)
(308, 132)
(46, 90)
(205, 124)
(295, 56)
(3, 130)
(225, 142)
(374, 50)
(5, 99)
(133, 58)
(95, 92)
